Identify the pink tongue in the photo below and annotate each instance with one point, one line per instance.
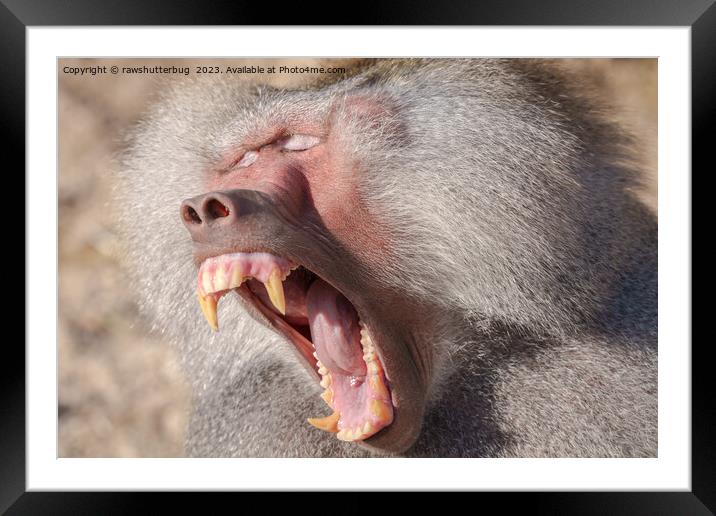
(334, 330)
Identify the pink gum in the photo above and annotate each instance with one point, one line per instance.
(250, 265)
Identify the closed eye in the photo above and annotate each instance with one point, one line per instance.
(248, 159)
(298, 142)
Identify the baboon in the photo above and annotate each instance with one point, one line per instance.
(418, 257)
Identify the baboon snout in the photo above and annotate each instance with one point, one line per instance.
(211, 216)
(198, 212)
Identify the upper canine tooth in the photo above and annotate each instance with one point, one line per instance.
(274, 287)
(208, 308)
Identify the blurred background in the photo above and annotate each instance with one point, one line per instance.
(121, 391)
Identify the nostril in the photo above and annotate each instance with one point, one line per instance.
(216, 209)
(190, 215)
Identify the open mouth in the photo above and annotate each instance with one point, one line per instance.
(321, 323)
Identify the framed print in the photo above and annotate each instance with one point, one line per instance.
(436, 257)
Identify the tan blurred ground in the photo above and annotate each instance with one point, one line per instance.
(121, 393)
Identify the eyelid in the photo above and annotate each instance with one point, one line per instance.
(291, 142)
(298, 142)
(248, 159)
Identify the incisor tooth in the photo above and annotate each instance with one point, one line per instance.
(221, 281)
(236, 278)
(274, 287)
(322, 370)
(326, 381)
(328, 423)
(206, 282)
(208, 308)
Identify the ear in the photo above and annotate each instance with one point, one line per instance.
(368, 114)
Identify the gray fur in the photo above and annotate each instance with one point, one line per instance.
(508, 197)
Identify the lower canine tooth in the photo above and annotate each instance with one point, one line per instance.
(208, 308)
(274, 287)
(328, 423)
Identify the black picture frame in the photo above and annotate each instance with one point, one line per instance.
(700, 15)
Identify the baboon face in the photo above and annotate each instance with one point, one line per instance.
(284, 226)
(382, 225)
